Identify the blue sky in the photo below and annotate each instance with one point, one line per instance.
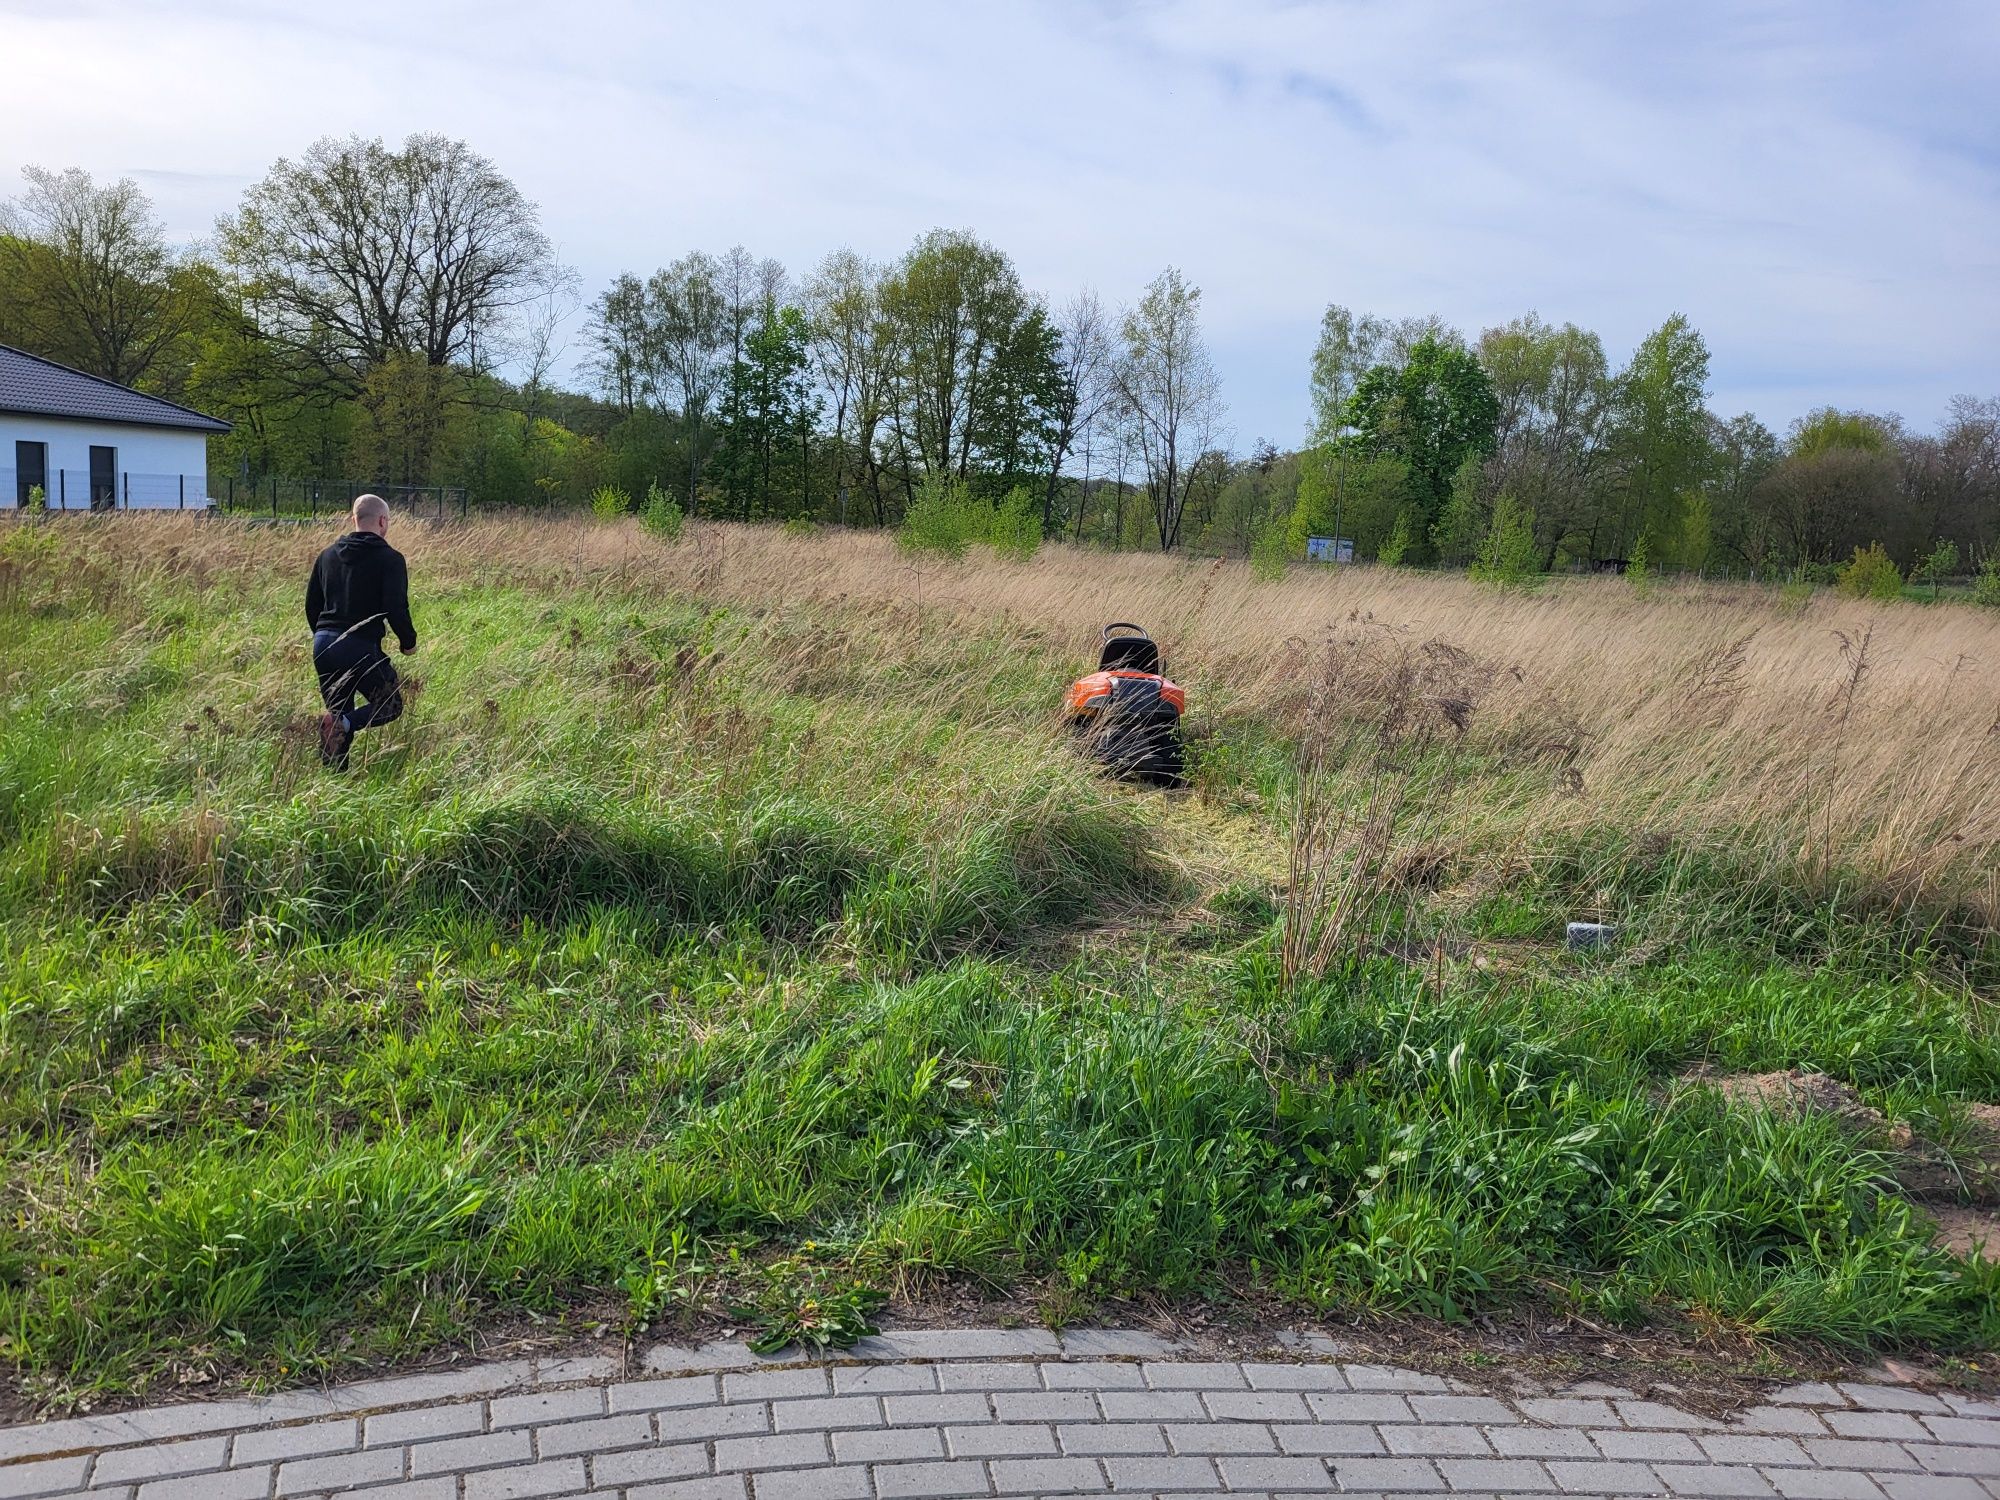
(1816, 184)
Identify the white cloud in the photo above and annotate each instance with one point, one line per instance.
(1817, 185)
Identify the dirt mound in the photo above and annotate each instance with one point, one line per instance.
(1942, 1178)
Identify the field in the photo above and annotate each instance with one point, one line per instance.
(728, 924)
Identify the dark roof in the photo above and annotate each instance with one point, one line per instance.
(29, 383)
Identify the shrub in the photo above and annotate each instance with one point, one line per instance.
(662, 515)
(1507, 553)
(1986, 587)
(38, 498)
(1398, 545)
(1871, 575)
(1636, 571)
(943, 518)
(1015, 530)
(800, 526)
(609, 502)
(1270, 552)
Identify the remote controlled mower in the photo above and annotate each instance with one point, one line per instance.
(1128, 713)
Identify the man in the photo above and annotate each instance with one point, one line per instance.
(359, 585)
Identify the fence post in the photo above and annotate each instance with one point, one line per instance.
(62, 488)
(274, 497)
(184, 491)
(128, 489)
(229, 500)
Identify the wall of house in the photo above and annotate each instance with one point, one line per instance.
(155, 467)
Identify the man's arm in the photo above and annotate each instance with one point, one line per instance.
(314, 598)
(397, 604)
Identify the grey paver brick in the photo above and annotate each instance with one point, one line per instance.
(1720, 1480)
(422, 1423)
(1823, 1484)
(230, 1484)
(154, 1461)
(1050, 1406)
(46, 1476)
(1957, 1459)
(1221, 1437)
(537, 1407)
(1273, 1473)
(869, 1445)
(1645, 1446)
(295, 1442)
(825, 1412)
(611, 1470)
(600, 1436)
(1102, 1438)
(1385, 1378)
(1569, 1411)
(789, 1450)
(1857, 1453)
(1896, 1426)
(1162, 1474)
(687, 1424)
(1603, 1478)
(1891, 1397)
(1129, 1342)
(1658, 1414)
(436, 1385)
(1000, 1440)
(559, 1476)
(733, 1354)
(1388, 1475)
(769, 1385)
(1331, 1407)
(1462, 1409)
(1751, 1448)
(884, 1380)
(1094, 1375)
(1153, 1406)
(936, 1411)
(715, 1487)
(930, 1480)
(440, 1487)
(1977, 1431)
(481, 1451)
(652, 1395)
(1330, 1439)
(1542, 1442)
(1970, 1406)
(1797, 1421)
(1932, 1487)
(1513, 1475)
(993, 1377)
(1430, 1441)
(1256, 1406)
(575, 1367)
(1291, 1378)
(815, 1484)
(341, 1471)
(1808, 1393)
(968, 1343)
(1202, 1375)
(1047, 1476)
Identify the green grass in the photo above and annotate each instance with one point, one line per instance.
(657, 932)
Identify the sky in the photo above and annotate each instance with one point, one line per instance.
(1815, 184)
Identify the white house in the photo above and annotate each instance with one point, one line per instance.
(95, 445)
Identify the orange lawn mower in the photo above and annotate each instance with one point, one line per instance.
(1128, 712)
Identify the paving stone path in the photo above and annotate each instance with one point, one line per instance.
(1000, 1413)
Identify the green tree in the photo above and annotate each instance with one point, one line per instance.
(1659, 437)
(1508, 554)
(1434, 413)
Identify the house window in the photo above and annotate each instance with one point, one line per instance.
(103, 478)
(31, 468)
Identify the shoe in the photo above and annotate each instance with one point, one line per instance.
(334, 738)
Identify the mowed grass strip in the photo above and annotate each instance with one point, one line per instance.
(661, 914)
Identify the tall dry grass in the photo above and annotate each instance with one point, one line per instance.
(1835, 738)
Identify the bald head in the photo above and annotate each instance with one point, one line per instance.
(371, 513)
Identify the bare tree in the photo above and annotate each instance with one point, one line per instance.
(1084, 385)
(688, 328)
(89, 275)
(357, 254)
(1169, 388)
(617, 332)
(851, 351)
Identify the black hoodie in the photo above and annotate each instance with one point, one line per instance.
(358, 584)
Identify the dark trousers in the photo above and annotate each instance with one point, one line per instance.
(354, 666)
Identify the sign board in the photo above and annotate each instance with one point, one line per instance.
(1333, 549)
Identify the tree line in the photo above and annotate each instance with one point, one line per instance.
(397, 314)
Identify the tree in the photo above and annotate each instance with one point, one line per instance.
(686, 329)
(778, 406)
(88, 277)
(1082, 387)
(1837, 488)
(1552, 391)
(1433, 413)
(619, 339)
(356, 254)
(1169, 388)
(1659, 436)
(850, 348)
(1349, 346)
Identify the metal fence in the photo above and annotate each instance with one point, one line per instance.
(310, 499)
(75, 490)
